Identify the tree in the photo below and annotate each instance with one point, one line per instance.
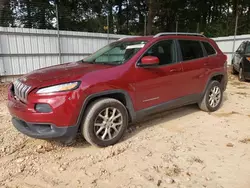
(7, 18)
(214, 17)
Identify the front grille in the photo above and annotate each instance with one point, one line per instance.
(21, 90)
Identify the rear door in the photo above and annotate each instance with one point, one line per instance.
(194, 62)
(214, 60)
(163, 83)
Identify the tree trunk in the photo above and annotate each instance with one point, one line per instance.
(43, 18)
(29, 24)
(111, 19)
(150, 17)
(228, 13)
(235, 7)
(120, 17)
(141, 23)
(2, 7)
(127, 17)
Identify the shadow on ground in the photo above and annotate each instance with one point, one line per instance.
(150, 121)
(160, 118)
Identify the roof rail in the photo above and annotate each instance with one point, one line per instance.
(176, 33)
(127, 37)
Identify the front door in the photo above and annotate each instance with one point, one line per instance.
(238, 56)
(162, 83)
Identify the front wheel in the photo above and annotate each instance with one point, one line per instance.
(213, 97)
(105, 122)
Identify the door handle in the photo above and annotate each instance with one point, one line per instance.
(206, 64)
(176, 70)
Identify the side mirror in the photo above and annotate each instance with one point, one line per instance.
(149, 61)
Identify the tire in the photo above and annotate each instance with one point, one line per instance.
(234, 72)
(241, 75)
(96, 124)
(205, 103)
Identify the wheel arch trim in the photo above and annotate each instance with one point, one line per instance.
(224, 80)
(129, 105)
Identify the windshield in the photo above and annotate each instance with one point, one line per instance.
(116, 53)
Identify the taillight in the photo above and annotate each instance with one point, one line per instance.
(225, 57)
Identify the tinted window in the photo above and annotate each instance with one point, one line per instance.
(210, 50)
(165, 51)
(190, 49)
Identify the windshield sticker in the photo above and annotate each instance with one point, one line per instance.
(135, 46)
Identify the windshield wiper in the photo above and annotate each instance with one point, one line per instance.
(112, 63)
(102, 63)
(82, 61)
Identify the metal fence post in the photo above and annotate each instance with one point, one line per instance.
(235, 33)
(2, 64)
(58, 35)
(108, 23)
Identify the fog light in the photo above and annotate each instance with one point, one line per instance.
(43, 108)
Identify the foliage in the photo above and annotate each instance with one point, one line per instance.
(213, 17)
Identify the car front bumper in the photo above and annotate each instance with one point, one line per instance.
(59, 124)
(45, 131)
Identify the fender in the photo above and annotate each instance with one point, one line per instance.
(129, 104)
(224, 81)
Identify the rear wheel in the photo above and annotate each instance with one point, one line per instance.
(212, 98)
(241, 75)
(105, 122)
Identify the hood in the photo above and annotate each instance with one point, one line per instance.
(60, 73)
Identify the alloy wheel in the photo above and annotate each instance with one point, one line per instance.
(108, 123)
(214, 96)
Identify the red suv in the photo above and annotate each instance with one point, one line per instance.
(119, 84)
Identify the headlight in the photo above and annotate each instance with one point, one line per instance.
(59, 88)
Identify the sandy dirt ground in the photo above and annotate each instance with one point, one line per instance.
(181, 148)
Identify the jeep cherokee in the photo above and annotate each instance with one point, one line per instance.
(119, 84)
